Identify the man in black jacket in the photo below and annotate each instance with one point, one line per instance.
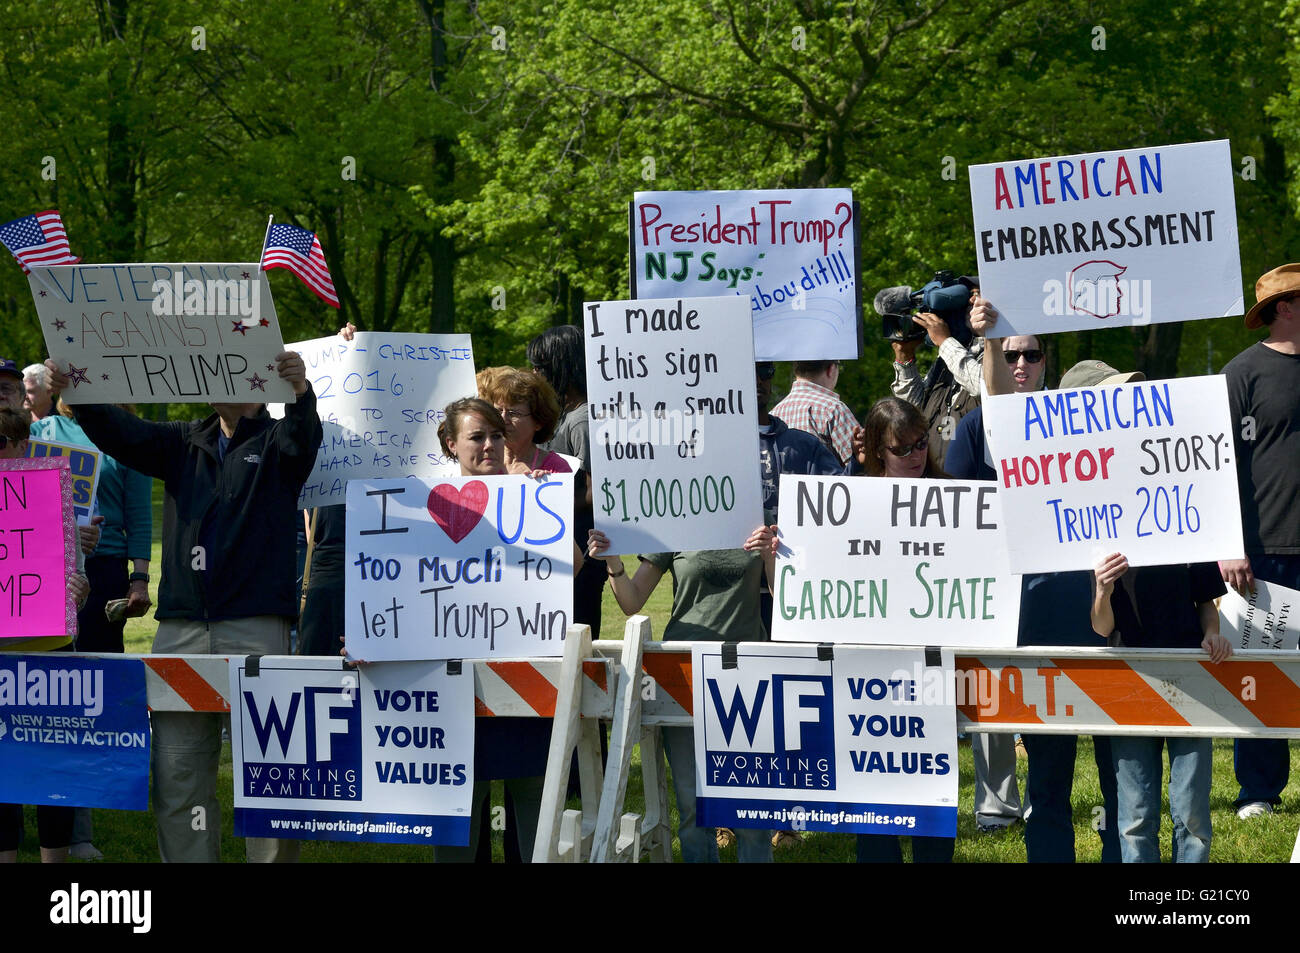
(229, 519)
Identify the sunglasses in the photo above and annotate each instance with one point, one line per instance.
(1032, 356)
(908, 448)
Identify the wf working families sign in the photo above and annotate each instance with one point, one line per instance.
(1138, 236)
(799, 736)
(461, 567)
(1145, 469)
(383, 754)
(161, 333)
(791, 254)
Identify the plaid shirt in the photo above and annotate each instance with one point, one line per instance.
(820, 412)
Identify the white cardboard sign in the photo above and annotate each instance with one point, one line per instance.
(382, 754)
(862, 742)
(791, 253)
(893, 562)
(459, 567)
(1145, 469)
(1267, 620)
(671, 396)
(381, 398)
(1130, 237)
(161, 333)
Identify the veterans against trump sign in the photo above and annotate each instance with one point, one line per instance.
(383, 754)
(459, 567)
(83, 465)
(38, 539)
(380, 398)
(791, 253)
(1144, 468)
(931, 571)
(1131, 237)
(74, 732)
(671, 397)
(861, 741)
(161, 333)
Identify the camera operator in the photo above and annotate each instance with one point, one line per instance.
(940, 312)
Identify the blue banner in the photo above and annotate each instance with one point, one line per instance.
(74, 732)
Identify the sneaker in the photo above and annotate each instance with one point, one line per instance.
(85, 851)
(1254, 809)
(783, 839)
(993, 829)
(726, 837)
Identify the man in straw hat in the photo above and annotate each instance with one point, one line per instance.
(1264, 396)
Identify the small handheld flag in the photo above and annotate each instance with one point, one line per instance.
(294, 248)
(38, 240)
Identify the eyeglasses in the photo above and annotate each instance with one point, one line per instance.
(908, 448)
(512, 416)
(1032, 356)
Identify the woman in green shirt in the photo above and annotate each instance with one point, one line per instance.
(715, 599)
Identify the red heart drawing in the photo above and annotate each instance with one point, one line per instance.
(458, 511)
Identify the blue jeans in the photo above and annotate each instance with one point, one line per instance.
(1049, 817)
(700, 844)
(1262, 765)
(1138, 771)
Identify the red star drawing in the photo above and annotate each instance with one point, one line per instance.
(60, 324)
(239, 326)
(264, 323)
(256, 383)
(77, 375)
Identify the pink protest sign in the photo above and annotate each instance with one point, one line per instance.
(38, 538)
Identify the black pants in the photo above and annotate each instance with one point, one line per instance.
(108, 581)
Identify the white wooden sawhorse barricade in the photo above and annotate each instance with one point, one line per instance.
(639, 685)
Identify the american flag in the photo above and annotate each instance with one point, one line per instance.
(38, 240)
(297, 249)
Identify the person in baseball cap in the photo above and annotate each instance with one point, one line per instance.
(11, 384)
(1095, 373)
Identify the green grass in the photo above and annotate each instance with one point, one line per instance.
(128, 836)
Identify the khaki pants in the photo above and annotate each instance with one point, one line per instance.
(187, 745)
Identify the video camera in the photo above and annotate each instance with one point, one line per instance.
(947, 296)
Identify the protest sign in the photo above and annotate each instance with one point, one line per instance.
(860, 741)
(83, 464)
(790, 253)
(674, 429)
(38, 539)
(1265, 620)
(380, 398)
(932, 570)
(459, 567)
(1132, 237)
(74, 732)
(384, 753)
(161, 333)
(1144, 468)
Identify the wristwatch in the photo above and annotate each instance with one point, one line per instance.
(138, 577)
